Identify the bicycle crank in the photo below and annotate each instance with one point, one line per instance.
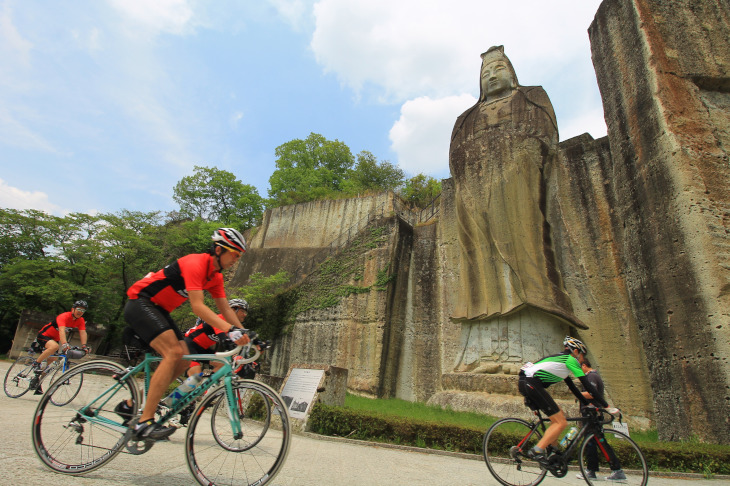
(557, 466)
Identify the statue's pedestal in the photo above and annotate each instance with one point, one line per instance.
(493, 394)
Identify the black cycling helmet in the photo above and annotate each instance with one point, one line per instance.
(230, 239)
(80, 303)
(573, 343)
(238, 304)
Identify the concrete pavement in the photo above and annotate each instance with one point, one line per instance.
(312, 461)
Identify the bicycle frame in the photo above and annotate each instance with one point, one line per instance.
(225, 373)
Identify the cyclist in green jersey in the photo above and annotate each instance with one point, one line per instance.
(536, 377)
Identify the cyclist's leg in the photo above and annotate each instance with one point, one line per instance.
(50, 347)
(533, 389)
(172, 350)
(155, 326)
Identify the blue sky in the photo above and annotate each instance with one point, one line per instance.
(106, 104)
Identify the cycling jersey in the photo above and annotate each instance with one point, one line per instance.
(555, 368)
(67, 320)
(205, 335)
(169, 287)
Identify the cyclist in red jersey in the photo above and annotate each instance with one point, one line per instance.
(52, 337)
(148, 313)
(204, 338)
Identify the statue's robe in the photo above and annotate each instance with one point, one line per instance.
(500, 154)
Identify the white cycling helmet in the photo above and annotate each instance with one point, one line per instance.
(230, 239)
(238, 304)
(573, 343)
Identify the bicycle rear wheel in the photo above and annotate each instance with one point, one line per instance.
(615, 450)
(17, 379)
(504, 445)
(216, 457)
(85, 432)
(69, 387)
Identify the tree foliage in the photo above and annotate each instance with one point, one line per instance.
(420, 190)
(309, 169)
(212, 194)
(369, 175)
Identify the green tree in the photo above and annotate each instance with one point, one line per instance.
(420, 190)
(371, 176)
(310, 169)
(216, 195)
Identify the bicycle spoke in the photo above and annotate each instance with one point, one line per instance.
(613, 451)
(504, 443)
(18, 376)
(216, 456)
(84, 432)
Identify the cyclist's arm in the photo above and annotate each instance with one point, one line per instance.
(83, 336)
(197, 304)
(61, 334)
(590, 389)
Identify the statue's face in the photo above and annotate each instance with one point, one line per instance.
(496, 79)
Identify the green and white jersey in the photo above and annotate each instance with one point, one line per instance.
(553, 369)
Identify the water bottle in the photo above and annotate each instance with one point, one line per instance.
(568, 437)
(182, 390)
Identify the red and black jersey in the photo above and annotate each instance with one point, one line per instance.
(169, 287)
(205, 335)
(66, 320)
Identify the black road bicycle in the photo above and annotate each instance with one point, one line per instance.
(508, 440)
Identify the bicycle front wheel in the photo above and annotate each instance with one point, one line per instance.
(504, 445)
(254, 413)
(17, 379)
(613, 452)
(85, 432)
(69, 387)
(217, 456)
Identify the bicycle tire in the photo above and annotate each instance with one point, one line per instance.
(85, 433)
(18, 376)
(70, 386)
(211, 464)
(633, 462)
(252, 407)
(501, 442)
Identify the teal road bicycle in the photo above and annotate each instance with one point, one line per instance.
(239, 433)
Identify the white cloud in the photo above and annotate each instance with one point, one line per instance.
(294, 12)
(422, 135)
(425, 55)
(169, 16)
(14, 198)
(10, 39)
(414, 48)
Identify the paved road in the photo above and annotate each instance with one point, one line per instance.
(312, 461)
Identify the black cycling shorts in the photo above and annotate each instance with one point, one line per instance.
(148, 320)
(42, 340)
(533, 389)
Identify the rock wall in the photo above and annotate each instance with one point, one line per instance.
(663, 70)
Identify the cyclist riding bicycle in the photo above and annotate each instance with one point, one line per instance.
(52, 338)
(536, 377)
(205, 339)
(152, 299)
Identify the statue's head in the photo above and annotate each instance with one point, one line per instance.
(498, 77)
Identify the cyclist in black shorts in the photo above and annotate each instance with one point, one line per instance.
(536, 377)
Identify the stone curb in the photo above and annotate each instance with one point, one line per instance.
(478, 457)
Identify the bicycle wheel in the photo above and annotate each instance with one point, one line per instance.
(504, 443)
(85, 433)
(238, 462)
(254, 412)
(69, 387)
(17, 379)
(614, 451)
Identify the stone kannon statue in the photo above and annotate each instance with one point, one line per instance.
(510, 296)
